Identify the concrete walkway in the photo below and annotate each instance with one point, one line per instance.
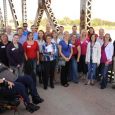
(77, 99)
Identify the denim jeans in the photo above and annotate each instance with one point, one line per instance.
(74, 70)
(114, 67)
(29, 84)
(18, 88)
(104, 73)
(92, 71)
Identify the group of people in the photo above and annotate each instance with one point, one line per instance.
(38, 53)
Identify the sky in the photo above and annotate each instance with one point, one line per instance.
(103, 9)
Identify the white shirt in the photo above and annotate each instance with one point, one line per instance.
(10, 36)
(100, 40)
(40, 43)
(56, 42)
(109, 49)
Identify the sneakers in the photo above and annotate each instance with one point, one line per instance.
(32, 108)
(37, 100)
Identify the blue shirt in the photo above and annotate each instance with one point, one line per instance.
(35, 36)
(22, 39)
(25, 33)
(66, 48)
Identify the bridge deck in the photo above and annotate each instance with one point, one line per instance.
(77, 99)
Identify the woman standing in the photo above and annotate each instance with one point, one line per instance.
(49, 54)
(106, 59)
(82, 66)
(91, 32)
(15, 55)
(31, 52)
(3, 46)
(93, 56)
(113, 85)
(75, 59)
(41, 42)
(65, 51)
(55, 38)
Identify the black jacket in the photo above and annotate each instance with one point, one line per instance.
(15, 55)
(3, 54)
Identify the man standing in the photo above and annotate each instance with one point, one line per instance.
(100, 38)
(22, 38)
(25, 30)
(113, 85)
(74, 31)
(9, 33)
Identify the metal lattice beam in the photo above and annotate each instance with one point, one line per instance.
(24, 11)
(39, 12)
(88, 13)
(51, 16)
(13, 13)
(1, 22)
(44, 5)
(39, 15)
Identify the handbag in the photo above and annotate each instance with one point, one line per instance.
(61, 62)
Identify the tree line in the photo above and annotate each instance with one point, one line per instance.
(68, 21)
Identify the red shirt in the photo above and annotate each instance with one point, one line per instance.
(74, 47)
(31, 50)
(83, 45)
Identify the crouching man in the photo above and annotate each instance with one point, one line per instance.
(20, 85)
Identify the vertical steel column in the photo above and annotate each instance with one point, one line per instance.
(82, 14)
(24, 11)
(1, 22)
(85, 14)
(5, 13)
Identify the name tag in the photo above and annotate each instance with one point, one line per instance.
(71, 45)
(13, 49)
(3, 46)
(28, 46)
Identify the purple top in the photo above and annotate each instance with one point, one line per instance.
(103, 55)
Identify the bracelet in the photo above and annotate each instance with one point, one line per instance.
(5, 83)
